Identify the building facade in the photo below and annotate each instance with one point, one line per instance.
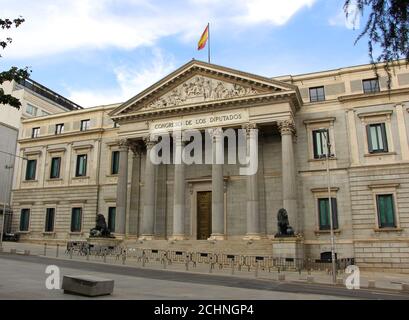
(36, 101)
(97, 160)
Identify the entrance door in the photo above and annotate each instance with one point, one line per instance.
(204, 215)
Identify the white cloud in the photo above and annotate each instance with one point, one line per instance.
(57, 26)
(131, 80)
(276, 12)
(352, 22)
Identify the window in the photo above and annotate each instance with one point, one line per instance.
(319, 140)
(35, 132)
(323, 212)
(111, 218)
(85, 124)
(81, 169)
(31, 110)
(24, 219)
(31, 169)
(370, 85)
(377, 141)
(317, 94)
(55, 167)
(49, 220)
(59, 128)
(115, 162)
(386, 211)
(76, 218)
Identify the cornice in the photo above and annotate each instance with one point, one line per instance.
(370, 96)
(287, 96)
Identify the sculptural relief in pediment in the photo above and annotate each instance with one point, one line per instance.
(201, 89)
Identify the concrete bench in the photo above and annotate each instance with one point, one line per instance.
(87, 285)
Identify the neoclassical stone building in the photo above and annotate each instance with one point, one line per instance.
(95, 161)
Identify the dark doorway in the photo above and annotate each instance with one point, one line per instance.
(204, 215)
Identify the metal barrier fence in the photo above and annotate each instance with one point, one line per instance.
(213, 260)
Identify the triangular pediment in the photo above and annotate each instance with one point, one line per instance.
(198, 83)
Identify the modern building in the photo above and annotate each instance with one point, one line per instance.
(95, 160)
(36, 101)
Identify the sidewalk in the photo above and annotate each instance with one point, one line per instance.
(391, 281)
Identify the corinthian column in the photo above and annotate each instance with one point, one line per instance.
(122, 188)
(148, 220)
(287, 130)
(179, 190)
(217, 185)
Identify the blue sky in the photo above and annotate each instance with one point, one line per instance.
(104, 51)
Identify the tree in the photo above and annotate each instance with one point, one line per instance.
(387, 27)
(14, 73)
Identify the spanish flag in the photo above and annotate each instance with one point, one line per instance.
(203, 39)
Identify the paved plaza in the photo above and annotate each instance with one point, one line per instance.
(23, 277)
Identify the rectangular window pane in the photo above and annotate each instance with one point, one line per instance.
(85, 125)
(76, 217)
(24, 219)
(317, 94)
(31, 169)
(324, 218)
(115, 162)
(386, 211)
(377, 140)
(81, 169)
(59, 128)
(35, 132)
(370, 85)
(320, 143)
(111, 218)
(55, 167)
(49, 220)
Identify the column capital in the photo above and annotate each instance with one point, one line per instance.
(286, 127)
(149, 142)
(136, 148)
(123, 144)
(249, 126)
(215, 133)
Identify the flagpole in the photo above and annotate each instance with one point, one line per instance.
(208, 47)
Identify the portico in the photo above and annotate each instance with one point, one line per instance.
(211, 99)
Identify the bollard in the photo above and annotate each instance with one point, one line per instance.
(45, 249)
(105, 257)
(371, 284)
(143, 259)
(58, 248)
(123, 259)
(71, 253)
(232, 267)
(310, 279)
(26, 252)
(187, 265)
(13, 251)
(88, 254)
(281, 277)
(210, 267)
(164, 263)
(256, 270)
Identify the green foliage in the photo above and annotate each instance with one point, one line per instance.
(387, 27)
(14, 73)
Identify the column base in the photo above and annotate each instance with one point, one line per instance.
(146, 237)
(177, 237)
(255, 236)
(217, 236)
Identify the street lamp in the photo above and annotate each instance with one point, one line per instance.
(331, 222)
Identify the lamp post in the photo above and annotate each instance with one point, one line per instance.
(331, 222)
